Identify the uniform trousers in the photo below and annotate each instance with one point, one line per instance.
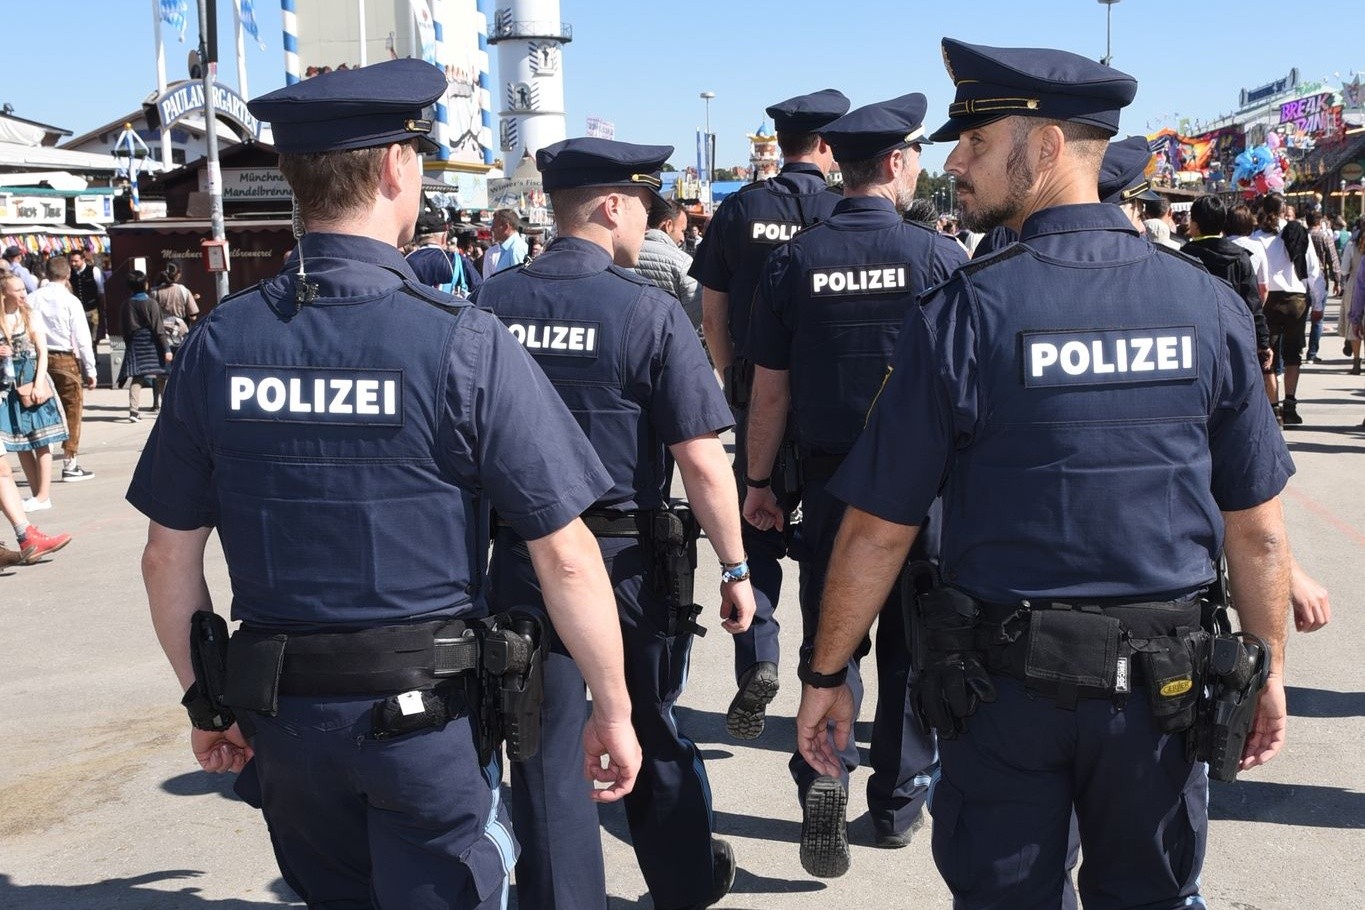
(396, 824)
(764, 550)
(1003, 806)
(65, 372)
(669, 811)
(902, 754)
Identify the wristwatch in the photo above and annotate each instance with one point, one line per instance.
(820, 680)
(756, 483)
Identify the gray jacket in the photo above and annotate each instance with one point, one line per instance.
(665, 265)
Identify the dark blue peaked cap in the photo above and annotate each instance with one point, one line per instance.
(807, 113)
(997, 82)
(876, 129)
(354, 108)
(1123, 173)
(601, 162)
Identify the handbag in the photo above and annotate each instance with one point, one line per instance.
(25, 393)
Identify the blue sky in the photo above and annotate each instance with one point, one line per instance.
(643, 65)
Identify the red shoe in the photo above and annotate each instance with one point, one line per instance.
(41, 544)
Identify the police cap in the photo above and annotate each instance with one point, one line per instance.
(997, 82)
(432, 218)
(876, 129)
(1123, 173)
(807, 113)
(583, 162)
(357, 108)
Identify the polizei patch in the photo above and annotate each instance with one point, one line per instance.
(315, 395)
(1110, 356)
(556, 336)
(772, 231)
(860, 280)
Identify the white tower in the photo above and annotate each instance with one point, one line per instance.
(530, 39)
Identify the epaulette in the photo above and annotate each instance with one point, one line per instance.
(1183, 257)
(239, 293)
(993, 258)
(430, 295)
(757, 184)
(629, 274)
(836, 190)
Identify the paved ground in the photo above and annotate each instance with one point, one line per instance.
(101, 804)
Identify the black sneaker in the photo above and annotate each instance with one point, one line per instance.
(824, 830)
(723, 860)
(887, 839)
(1291, 413)
(748, 711)
(74, 473)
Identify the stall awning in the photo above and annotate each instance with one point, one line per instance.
(40, 157)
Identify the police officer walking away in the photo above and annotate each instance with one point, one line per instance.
(828, 310)
(744, 230)
(628, 363)
(345, 429)
(1089, 407)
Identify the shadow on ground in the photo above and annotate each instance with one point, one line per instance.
(1286, 804)
(127, 892)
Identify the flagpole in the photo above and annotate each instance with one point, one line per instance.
(360, 11)
(161, 84)
(241, 49)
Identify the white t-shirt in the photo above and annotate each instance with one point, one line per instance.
(1258, 260)
(1282, 274)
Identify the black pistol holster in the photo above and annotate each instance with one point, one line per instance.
(673, 533)
(739, 382)
(512, 680)
(951, 679)
(208, 656)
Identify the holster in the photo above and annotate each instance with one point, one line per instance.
(208, 657)
(512, 676)
(673, 548)
(739, 382)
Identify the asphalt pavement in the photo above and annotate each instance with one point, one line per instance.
(102, 804)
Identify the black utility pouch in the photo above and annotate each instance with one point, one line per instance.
(408, 712)
(254, 663)
(1073, 648)
(1170, 666)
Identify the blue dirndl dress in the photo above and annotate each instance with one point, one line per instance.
(24, 429)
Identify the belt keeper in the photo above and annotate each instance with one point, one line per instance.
(454, 654)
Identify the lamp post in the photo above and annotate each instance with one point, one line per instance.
(709, 152)
(1108, 31)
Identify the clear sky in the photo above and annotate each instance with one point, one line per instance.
(643, 65)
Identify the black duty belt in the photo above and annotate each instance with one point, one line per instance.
(368, 662)
(611, 522)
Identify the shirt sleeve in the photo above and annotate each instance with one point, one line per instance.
(1250, 462)
(926, 409)
(80, 336)
(172, 483)
(675, 382)
(512, 436)
(773, 319)
(712, 265)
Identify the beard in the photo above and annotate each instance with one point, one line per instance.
(1019, 177)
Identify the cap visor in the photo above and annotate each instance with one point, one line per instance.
(427, 146)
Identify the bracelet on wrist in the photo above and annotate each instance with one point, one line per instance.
(820, 680)
(734, 573)
(756, 483)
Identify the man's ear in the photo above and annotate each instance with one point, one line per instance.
(611, 209)
(1048, 144)
(397, 158)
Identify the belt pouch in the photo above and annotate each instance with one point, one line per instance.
(254, 663)
(1170, 666)
(408, 712)
(1073, 648)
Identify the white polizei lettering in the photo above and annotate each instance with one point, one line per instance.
(270, 394)
(590, 342)
(367, 396)
(297, 405)
(1121, 350)
(561, 334)
(1075, 358)
(242, 389)
(838, 281)
(818, 282)
(900, 277)
(1142, 348)
(518, 332)
(1165, 353)
(1097, 358)
(339, 404)
(1186, 351)
(576, 338)
(1041, 356)
(390, 397)
(320, 396)
(872, 281)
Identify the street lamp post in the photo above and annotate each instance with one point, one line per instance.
(709, 148)
(1108, 31)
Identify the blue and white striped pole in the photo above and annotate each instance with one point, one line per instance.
(485, 85)
(290, 22)
(442, 108)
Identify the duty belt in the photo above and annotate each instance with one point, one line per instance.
(612, 522)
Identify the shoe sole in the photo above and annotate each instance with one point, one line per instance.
(76, 478)
(748, 712)
(897, 841)
(824, 832)
(39, 554)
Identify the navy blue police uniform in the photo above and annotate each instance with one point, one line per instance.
(345, 431)
(1087, 404)
(629, 366)
(744, 230)
(828, 312)
(439, 268)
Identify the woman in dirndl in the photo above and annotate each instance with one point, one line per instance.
(31, 418)
(146, 353)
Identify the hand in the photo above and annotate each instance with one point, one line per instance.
(42, 391)
(616, 741)
(1267, 727)
(736, 606)
(220, 751)
(761, 509)
(1267, 358)
(1312, 606)
(90, 382)
(169, 356)
(824, 724)
(6, 350)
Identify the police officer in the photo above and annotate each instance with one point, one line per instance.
(825, 321)
(745, 228)
(432, 262)
(627, 362)
(344, 429)
(1086, 500)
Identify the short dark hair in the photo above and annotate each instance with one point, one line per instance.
(137, 281)
(792, 143)
(661, 210)
(1156, 208)
(1313, 218)
(330, 186)
(1210, 213)
(923, 211)
(861, 172)
(1240, 220)
(508, 217)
